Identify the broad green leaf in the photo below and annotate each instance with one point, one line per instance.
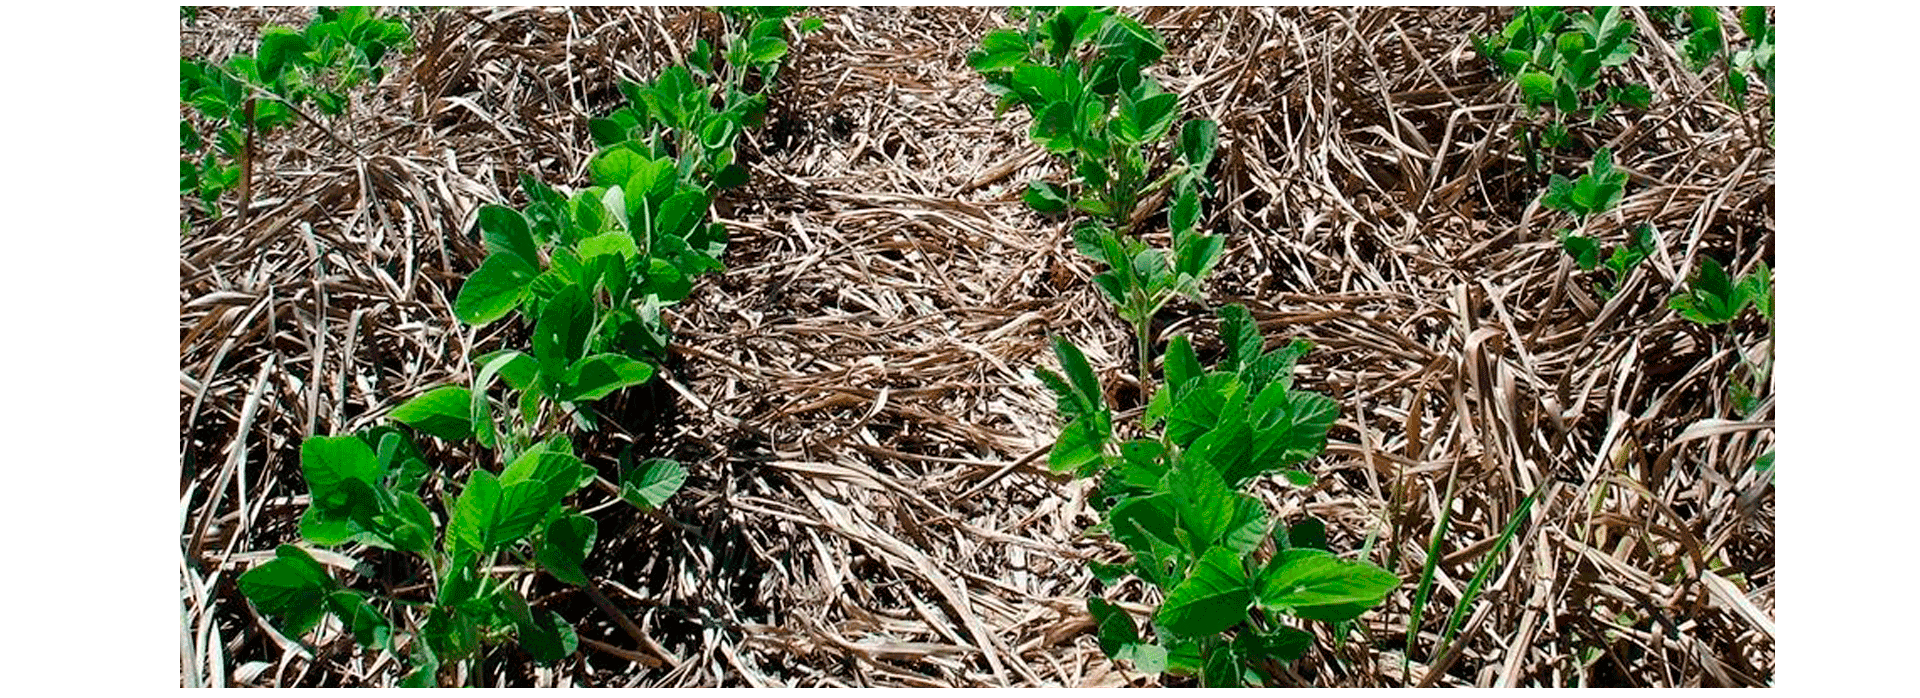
(410, 526)
(1221, 666)
(290, 589)
(1309, 533)
(1710, 297)
(545, 635)
(1536, 87)
(1146, 526)
(612, 243)
(279, 48)
(1046, 197)
(329, 461)
(1282, 645)
(1202, 499)
(369, 627)
(494, 290)
(560, 338)
(1039, 84)
(1201, 406)
(567, 543)
(766, 50)
(451, 634)
(553, 463)
(1113, 625)
(614, 166)
(598, 376)
(1585, 252)
(1148, 119)
(730, 176)
(1181, 364)
(1241, 337)
(1304, 577)
(488, 516)
(1758, 286)
(652, 483)
(1086, 386)
(1121, 640)
(1079, 446)
(505, 231)
(1213, 599)
(1185, 212)
(446, 412)
(680, 213)
(1198, 141)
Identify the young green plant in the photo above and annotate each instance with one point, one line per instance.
(1595, 192)
(1559, 59)
(590, 272)
(1079, 71)
(366, 490)
(251, 95)
(1177, 498)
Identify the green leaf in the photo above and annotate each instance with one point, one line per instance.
(604, 244)
(1213, 599)
(329, 461)
(1299, 578)
(494, 290)
(1079, 446)
(290, 589)
(1086, 386)
(1710, 297)
(652, 483)
(506, 232)
(1182, 366)
(1758, 286)
(489, 516)
(1241, 336)
(597, 376)
(1536, 87)
(766, 50)
(445, 412)
(1585, 252)
(552, 463)
(1221, 666)
(560, 338)
(1309, 533)
(369, 628)
(1046, 197)
(279, 48)
(681, 212)
(543, 634)
(1203, 500)
(730, 176)
(1199, 139)
(614, 166)
(1113, 625)
(1185, 212)
(566, 545)
(1121, 640)
(1039, 84)
(1146, 526)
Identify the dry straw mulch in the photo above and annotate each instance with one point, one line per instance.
(868, 503)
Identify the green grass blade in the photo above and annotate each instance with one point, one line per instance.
(1480, 576)
(1426, 578)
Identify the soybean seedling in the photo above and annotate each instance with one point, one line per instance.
(1177, 498)
(1559, 59)
(1080, 72)
(251, 95)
